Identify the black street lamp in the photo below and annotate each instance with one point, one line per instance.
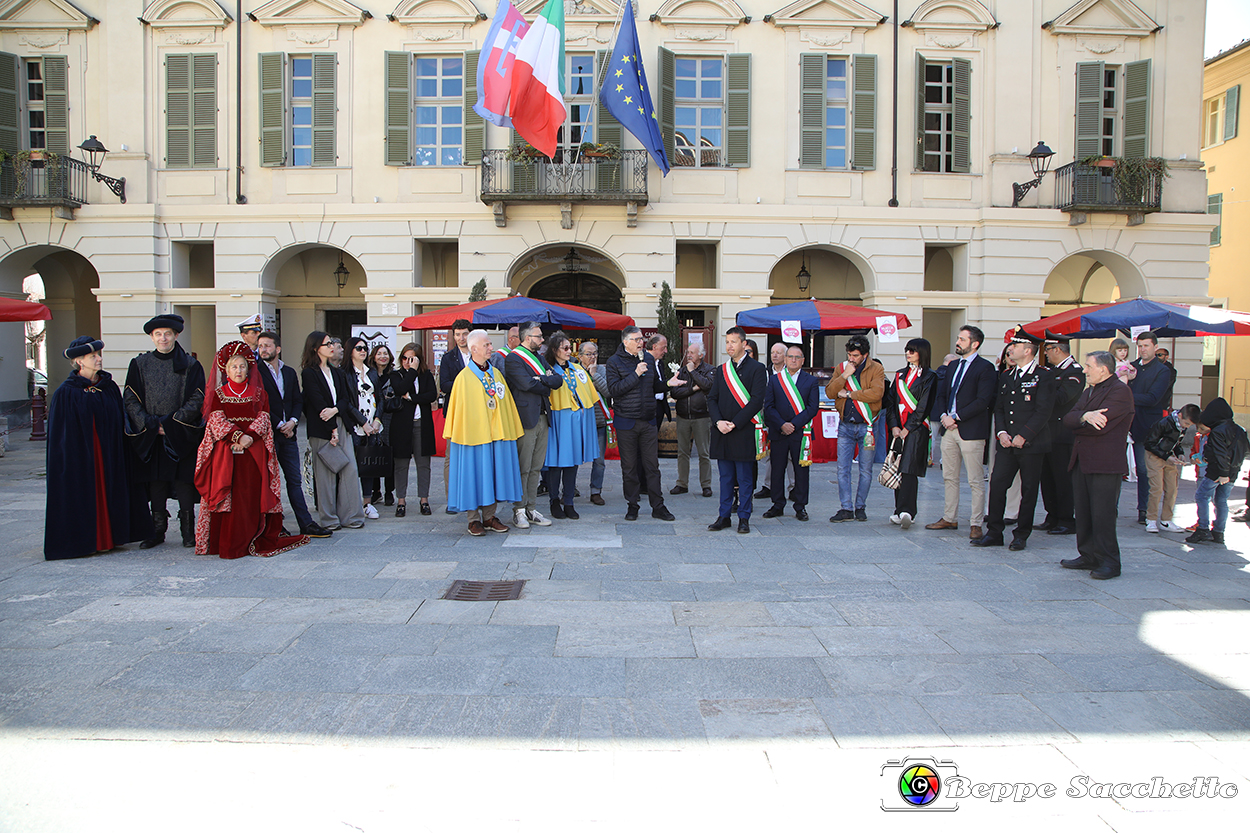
(95, 151)
(804, 276)
(341, 274)
(1039, 158)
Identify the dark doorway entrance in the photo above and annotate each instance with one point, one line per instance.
(339, 322)
(585, 291)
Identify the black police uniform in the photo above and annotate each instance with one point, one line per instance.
(1067, 383)
(1024, 407)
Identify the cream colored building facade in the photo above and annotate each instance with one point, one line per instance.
(1226, 154)
(232, 208)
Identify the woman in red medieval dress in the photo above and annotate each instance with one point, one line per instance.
(236, 469)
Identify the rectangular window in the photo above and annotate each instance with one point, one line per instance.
(837, 109)
(301, 111)
(298, 110)
(1113, 109)
(1215, 205)
(939, 116)
(1213, 133)
(36, 137)
(1110, 112)
(700, 112)
(579, 97)
(439, 110)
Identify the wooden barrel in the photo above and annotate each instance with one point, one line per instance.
(668, 439)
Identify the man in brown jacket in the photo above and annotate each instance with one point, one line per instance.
(857, 388)
(1100, 422)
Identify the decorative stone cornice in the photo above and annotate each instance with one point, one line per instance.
(838, 14)
(43, 14)
(306, 13)
(1104, 18)
(186, 14)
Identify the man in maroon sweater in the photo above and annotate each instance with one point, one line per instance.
(1100, 422)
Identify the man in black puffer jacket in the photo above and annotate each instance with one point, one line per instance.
(1165, 455)
(634, 379)
(1225, 450)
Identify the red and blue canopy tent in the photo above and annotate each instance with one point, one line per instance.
(517, 310)
(1165, 320)
(12, 309)
(815, 316)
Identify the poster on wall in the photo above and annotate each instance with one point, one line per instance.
(375, 335)
(438, 346)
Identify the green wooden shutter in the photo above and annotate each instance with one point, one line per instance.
(56, 103)
(920, 69)
(738, 110)
(524, 172)
(668, 102)
(178, 111)
(273, 110)
(1215, 205)
(325, 110)
(1137, 109)
(1232, 99)
(864, 113)
(812, 69)
(1089, 109)
(398, 81)
(961, 135)
(204, 111)
(474, 125)
(607, 129)
(10, 103)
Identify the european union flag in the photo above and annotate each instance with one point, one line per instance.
(625, 93)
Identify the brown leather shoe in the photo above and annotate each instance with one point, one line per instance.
(942, 523)
(975, 533)
(476, 529)
(597, 500)
(496, 525)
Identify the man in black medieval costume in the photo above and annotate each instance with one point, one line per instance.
(163, 396)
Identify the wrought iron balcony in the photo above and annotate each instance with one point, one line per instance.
(588, 180)
(60, 182)
(1083, 188)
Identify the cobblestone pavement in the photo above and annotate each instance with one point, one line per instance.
(651, 674)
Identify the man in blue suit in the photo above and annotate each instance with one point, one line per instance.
(791, 401)
(968, 393)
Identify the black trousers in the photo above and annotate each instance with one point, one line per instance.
(558, 476)
(905, 495)
(1097, 497)
(160, 491)
(1007, 464)
(786, 449)
(1056, 485)
(639, 447)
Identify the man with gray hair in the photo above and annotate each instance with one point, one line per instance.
(1099, 420)
(531, 382)
(690, 388)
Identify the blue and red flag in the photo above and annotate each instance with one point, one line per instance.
(494, 68)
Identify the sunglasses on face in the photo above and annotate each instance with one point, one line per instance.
(360, 349)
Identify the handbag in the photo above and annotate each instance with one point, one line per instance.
(333, 457)
(375, 458)
(891, 474)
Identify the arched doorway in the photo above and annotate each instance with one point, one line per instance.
(579, 290)
(833, 277)
(574, 275)
(307, 277)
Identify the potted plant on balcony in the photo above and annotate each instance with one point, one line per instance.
(600, 150)
(1131, 175)
(523, 152)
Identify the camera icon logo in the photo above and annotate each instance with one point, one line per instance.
(916, 783)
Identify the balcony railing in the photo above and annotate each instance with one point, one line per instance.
(60, 182)
(1088, 188)
(536, 179)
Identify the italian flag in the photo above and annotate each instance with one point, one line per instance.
(537, 102)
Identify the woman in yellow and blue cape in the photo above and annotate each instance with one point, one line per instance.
(572, 439)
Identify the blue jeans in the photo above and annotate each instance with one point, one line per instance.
(1143, 476)
(851, 436)
(289, 460)
(740, 473)
(1208, 489)
(598, 466)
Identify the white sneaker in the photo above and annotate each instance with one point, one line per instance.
(905, 520)
(537, 518)
(519, 519)
(1169, 526)
(896, 520)
(1152, 526)
(370, 512)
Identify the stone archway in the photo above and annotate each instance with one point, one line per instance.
(1091, 277)
(309, 297)
(573, 274)
(69, 281)
(836, 275)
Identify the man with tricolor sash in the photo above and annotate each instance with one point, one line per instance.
(790, 404)
(531, 382)
(734, 405)
(858, 388)
(497, 358)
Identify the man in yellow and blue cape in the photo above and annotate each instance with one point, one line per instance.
(482, 428)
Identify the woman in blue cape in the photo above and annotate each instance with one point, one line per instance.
(572, 438)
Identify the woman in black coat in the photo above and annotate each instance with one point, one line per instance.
(410, 395)
(381, 365)
(907, 404)
(330, 414)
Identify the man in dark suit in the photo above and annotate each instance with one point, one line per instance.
(791, 401)
(968, 394)
(454, 360)
(736, 398)
(285, 406)
(1022, 415)
(531, 382)
(1068, 380)
(1100, 422)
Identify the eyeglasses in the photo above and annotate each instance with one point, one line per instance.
(634, 338)
(360, 348)
(327, 344)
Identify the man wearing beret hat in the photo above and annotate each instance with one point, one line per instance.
(163, 396)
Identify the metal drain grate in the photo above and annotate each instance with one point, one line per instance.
(484, 591)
